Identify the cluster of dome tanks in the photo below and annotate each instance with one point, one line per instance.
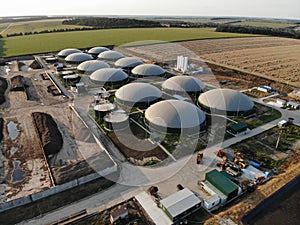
(168, 116)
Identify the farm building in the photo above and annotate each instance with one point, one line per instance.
(182, 85)
(218, 182)
(138, 94)
(118, 214)
(95, 51)
(109, 77)
(226, 101)
(110, 55)
(91, 66)
(211, 201)
(147, 70)
(116, 120)
(68, 51)
(128, 63)
(293, 105)
(237, 128)
(77, 58)
(175, 116)
(180, 204)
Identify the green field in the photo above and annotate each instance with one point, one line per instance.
(265, 24)
(36, 26)
(50, 42)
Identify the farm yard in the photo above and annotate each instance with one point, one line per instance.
(273, 58)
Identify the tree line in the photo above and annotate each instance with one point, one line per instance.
(279, 32)
(108, 23)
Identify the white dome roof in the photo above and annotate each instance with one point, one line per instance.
(174, 114)
(78, 57)
(138, 92)
(226, 100)
(148, 70)
(97, 50)
(110, 55)
(183, 84)
(128, 62)
(68, 51)
(92, 65)
(108, 75)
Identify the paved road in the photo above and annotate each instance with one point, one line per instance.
(134, 179)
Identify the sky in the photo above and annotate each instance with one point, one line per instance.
(289, 9)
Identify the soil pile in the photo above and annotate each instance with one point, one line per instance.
(17, 83)
(3, 87)
(35, 65)
(49, 134)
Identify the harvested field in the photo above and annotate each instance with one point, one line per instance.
(274, 58)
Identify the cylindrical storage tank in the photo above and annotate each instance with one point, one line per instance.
(77, 58)
(95, 51)
(148, 70)
(128, 63)
(138, 94)
(116, 120)
(175, 116)
(110, 55)
(109, 76)
(226, 101)
(183, 85)
(102, 110)
(91, 66)
(68, 51)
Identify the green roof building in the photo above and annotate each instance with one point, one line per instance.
(222, 183)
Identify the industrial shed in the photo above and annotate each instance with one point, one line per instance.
(109, 77)
(77, 58)
(183, 85)
(180, 204)
(226, 101)
(68, 51)
(222, 183)
(237, 128)
(138, 94)
(175, 116)
(110, 55)
(91, 66)
(148, 70)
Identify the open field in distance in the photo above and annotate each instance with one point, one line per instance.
(270, 57)
(35, 26)
(31, 44)
(265, 24)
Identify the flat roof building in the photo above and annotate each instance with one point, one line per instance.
(180, 204)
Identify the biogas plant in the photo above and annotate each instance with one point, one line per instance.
(85, 119)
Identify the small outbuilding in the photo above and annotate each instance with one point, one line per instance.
(180, 204)
(237, 128)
